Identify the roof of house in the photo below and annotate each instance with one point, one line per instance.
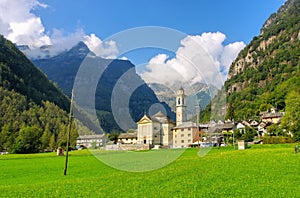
(127, 135)
(186, 125)
(272, 115)
(90, 137)
(220, 127)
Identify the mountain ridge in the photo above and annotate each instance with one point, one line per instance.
(68, 63)
(267, 70)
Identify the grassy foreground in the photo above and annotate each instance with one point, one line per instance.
(261, 171)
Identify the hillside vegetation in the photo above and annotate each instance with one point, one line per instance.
(33, 113)
(268, 69)
(266, 72)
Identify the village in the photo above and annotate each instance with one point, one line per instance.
(160, 132)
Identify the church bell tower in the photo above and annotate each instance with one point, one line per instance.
(180, 107)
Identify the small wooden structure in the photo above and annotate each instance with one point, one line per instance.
(60, 151)
(241, 145)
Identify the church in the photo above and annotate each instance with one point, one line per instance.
(160, 130)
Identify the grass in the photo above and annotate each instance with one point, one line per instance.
(261, 171)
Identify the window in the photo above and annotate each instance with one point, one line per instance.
(182, 129)
(189, 129)
(175, 142)
(189, 141)
(126, 139)
(176, 136)
(182, 141)
(182, 135)
(189, 135)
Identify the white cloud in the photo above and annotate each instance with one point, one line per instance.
(230, 53)
(106, 49)
(21, 26)
(201, 58)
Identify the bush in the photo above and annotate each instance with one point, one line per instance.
(277, 139)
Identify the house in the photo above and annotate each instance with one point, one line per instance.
(254, 123)
(185, 134)
(227, 127)
(88, 141)
(127, 138)
(241, 127)
(272, 117)
(262, 128)
(220, 127)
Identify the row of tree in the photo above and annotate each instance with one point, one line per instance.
(27, 127)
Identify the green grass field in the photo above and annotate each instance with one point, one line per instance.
(261, 171)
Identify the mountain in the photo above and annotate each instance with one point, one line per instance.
(267, 70)
(33, 111)
(19, 74)
(62, 69)
(202, 92)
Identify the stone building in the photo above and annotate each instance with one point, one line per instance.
(185, 134)
(155, 130)
(127, 138)
(160, 130)
(88, 141)
(272, 117)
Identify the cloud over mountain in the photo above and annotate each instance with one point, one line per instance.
(21, 26)
(200, 58)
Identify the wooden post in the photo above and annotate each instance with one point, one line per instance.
(68, 137)
(197, 124)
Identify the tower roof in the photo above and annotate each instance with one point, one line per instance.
(180, 90)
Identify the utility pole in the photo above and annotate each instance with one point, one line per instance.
(197, 123)
(69, 131)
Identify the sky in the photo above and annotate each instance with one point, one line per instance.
(221, 28)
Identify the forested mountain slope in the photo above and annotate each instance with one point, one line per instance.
(33, 113)
(267, 70)
(266, 73)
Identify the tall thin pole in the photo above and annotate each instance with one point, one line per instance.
(233, 135)
(68, 137)
(197, 124)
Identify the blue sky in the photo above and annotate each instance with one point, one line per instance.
(221, 28)
(238, 20)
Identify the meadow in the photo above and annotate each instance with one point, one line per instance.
(260, 171)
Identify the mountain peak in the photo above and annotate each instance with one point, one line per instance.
(289, 9)
(80, 50)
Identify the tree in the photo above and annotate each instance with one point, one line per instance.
(45, 139)
(28, 140)
(114, 136)
(291, 118)
(274, 129)
(52, 143)
(248, 134)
